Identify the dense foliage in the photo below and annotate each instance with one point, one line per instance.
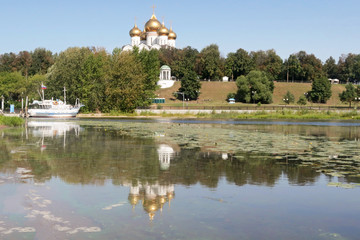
(320, 90)
(350, 94)
(254, 88)
(302, 100)
(288, 98)
(90, 74)
(11, 121)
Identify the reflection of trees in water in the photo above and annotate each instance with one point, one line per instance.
(207, 168)
(98, 154)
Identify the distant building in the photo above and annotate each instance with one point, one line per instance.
(165, 79)
(334, 81)
(154, 36)
(225, 79)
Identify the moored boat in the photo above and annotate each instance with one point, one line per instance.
(54, 108)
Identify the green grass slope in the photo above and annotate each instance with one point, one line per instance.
(215, 93)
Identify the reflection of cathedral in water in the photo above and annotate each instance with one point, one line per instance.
(152, 196)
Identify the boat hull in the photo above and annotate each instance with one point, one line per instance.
(47, 113)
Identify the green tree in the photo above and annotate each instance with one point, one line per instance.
(180, 60)
(288, 98)
(293, 68)
(349, 94)
(83, 72)
(68, 71)
(311, 66)
(254, 88)
(238, 64)
(151, 65)
(349, 67)
(12, 85)
(267, 61)
(8, 62)
(320, 91)
(23, 63)
(302, 100)
(190, 85)
(330, 68)
(125, 88)
(210, 62)
(42, 59)
(93, 76)
(190, 82)
(33, 86)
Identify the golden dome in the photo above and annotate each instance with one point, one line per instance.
(150, 206)
(152, 25)
(172, 35)
(133, 199)
(163, 31)
(135, 32)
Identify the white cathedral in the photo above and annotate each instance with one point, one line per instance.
(154, 36)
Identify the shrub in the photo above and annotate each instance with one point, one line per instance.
(302, 100)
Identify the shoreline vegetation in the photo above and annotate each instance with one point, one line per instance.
(10, 121)
(262, 114)
(232, 115)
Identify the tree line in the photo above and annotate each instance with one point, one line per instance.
(122, 81)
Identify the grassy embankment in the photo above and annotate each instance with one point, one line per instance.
(11, 121)
(215, 93)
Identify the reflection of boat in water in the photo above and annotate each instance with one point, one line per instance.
(52, 128)
(54, 108)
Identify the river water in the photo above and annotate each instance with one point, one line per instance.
(180, 179)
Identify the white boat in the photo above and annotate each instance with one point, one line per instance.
(54, 108)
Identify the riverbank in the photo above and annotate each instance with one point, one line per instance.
(240, 114)
(10, 121)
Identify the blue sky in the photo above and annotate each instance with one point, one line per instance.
(322, 27)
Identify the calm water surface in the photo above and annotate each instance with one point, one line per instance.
(183, 179)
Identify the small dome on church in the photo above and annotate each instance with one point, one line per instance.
(133, 199)
(163, 147)
(143, 35)
(172, 35)
(153, 24)
(163, 31)
(135, 32)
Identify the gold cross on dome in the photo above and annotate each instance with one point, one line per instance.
(153, 7)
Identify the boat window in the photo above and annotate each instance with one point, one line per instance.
(34, 106)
